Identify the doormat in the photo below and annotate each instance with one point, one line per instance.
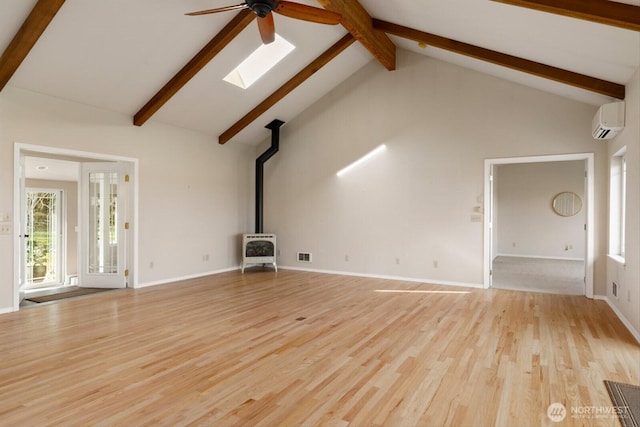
(626, 400)
(67, 294)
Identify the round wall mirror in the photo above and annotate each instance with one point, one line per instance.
(567, 204)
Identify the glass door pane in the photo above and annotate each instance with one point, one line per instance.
(43, 244)
(103, 220)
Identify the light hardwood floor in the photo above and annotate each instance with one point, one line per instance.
(293, 348)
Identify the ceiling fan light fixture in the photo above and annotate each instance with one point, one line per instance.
(262, 7)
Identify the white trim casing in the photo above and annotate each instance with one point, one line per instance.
(18, 149)
(590, 206)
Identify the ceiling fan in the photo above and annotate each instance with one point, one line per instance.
(263, 9)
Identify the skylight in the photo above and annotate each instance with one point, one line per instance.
(259, 62)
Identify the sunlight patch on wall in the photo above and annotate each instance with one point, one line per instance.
(361, 160)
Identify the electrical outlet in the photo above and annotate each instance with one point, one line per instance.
(5, 228)
(5, 217)
(346, 258)
(435, 263)
(151, 264)
(397, 260)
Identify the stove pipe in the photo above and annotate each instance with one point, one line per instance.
(260, 161)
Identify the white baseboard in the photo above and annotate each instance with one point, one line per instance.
(382, 276)
(6, 310)
(623, 319)
(540, 257)
(178, 279)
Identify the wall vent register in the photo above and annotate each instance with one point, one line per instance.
(304, 257)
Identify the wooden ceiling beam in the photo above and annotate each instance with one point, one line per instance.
(286, 88)
(32, 28)
(359, 23)
(601, 11)
(197, 63)
(582, 81)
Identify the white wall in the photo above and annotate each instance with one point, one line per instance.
(628, 275)
(526, 222)
(396, 215)
(194, 195)
(410, 208)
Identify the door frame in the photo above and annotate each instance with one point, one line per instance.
(588, 158)
(20, 150)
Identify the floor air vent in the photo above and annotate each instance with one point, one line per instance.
(304, 256)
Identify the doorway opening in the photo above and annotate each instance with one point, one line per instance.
(76, 216)
(532, 242)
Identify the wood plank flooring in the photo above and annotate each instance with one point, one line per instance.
(293, 348)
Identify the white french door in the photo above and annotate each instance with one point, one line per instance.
(104, 201)
(44, 236)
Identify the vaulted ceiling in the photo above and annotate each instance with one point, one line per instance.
(146, 59)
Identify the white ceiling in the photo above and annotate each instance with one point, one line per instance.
(117, 54)
(51, 169)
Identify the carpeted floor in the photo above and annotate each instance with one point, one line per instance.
(539, 275)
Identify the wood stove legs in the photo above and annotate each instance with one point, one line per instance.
(263, 264)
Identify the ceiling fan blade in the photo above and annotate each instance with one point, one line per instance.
(267, 29)
(219, 9)
(307, 13)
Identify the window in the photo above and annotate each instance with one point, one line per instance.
(617, 204)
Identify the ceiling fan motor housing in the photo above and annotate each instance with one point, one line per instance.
(262, 7)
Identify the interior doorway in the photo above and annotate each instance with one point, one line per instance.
(530, 242)
(76, 214)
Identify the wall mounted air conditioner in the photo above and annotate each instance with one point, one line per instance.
(608, 121)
